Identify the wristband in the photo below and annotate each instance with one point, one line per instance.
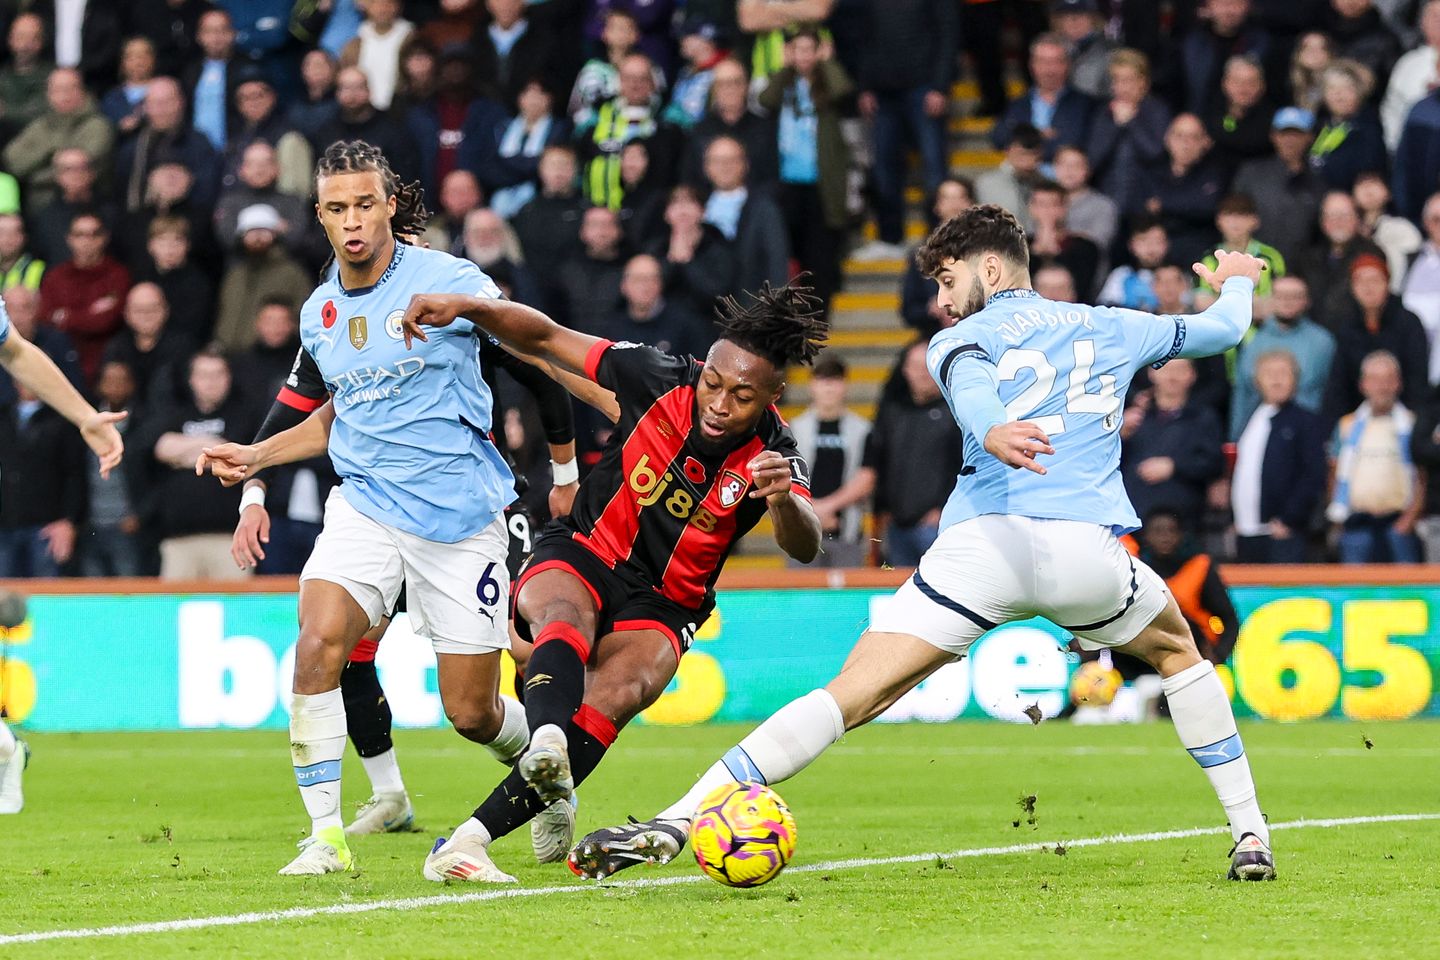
(564, 473)
(252, 497)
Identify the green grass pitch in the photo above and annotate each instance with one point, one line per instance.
(145, 828)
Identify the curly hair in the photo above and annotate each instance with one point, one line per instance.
(785, 325)
(987, 228)
(357, 156)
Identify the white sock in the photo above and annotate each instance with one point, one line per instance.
(472, 828)
(514, 733)
(7, 742)
(384, 772)
(1206, 726)
(776, 750)
(317, 741)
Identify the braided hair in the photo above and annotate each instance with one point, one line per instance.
(785, 325)
(356, 156)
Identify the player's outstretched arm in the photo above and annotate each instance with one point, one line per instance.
(1225, 323)
(235, 462)
(527, 330)
(29, 365)
(797, 528)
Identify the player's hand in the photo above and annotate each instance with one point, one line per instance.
(1230, 263)
(432, 310)
(1017, 444)
(562, 498)
(231, 463)
(772, 475)
(100, 433)
(250, 533)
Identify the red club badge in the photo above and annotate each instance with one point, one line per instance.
(328, 314)
(694, 470)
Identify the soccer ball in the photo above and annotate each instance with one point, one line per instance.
(1095, 684)
(742, 835)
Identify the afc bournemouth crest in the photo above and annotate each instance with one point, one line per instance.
(359, 332)
(732, 488)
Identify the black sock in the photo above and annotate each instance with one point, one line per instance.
(367, 712)
(520, 685)
(512, 804)
(555, 677)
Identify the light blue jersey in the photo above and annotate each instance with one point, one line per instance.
(411, 428)
(1065, 367)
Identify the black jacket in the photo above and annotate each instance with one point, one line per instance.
(179, 503)
(1402, 334)
(1425, 449)
(911, 44)
(42, 470)
(1071, 122)
(1193, 439)
(1293, 473)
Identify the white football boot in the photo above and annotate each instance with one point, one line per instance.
(12, 798)
(324, 852)
(383, 813)
(546, 764)
(553, 830)
(465, 857)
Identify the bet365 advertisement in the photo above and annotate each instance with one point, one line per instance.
(165, 662)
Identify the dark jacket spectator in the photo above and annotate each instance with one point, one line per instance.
(166, 138)
(1376, 321)
(646, 316)
(261, 370)
(1280, 468)
(1171, 447)
(171, 26)
(357, 119)
(1059, 111)
(730, 116)
(548, 227)
(1185, 188)
(153, 350)
(23, 306)
(189, 289)
(257, 182)
(503, 63)
(1127, 135)
(1238, 120)
(1364, 38)
(748, 217)
(315, 108)
(74, 174)
(1326, 266)
(1286, 190)
(22, 79)
(589, 282)
(1204, 51)
(1350, 140)
(259, 119)
(697, 263)
(261, 271)
(1425, 451)
(1417, 158)
(42, 489)
(101, 29)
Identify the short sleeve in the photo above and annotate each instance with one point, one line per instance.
(304, 389)
(637, 374)
(467, 279)
(1156, 338)
(950, 346)
(782, 441)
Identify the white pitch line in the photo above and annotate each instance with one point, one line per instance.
(512, 893)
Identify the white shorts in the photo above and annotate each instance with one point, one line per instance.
(457, 594)
(993, 569)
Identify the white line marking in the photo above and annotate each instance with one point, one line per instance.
(511, 893)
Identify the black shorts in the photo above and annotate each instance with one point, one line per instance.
(519, 526)
(623, 600)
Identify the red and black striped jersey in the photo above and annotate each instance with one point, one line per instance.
(660, 502)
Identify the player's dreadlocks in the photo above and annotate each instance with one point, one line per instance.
(357, 156)
(785, 325)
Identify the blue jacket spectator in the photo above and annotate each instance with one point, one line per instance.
(1417, 159)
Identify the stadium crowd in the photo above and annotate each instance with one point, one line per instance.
(620, 163)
